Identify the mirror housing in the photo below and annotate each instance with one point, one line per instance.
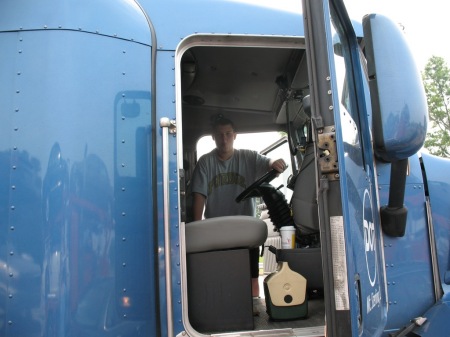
(399, 104)
(399, 107)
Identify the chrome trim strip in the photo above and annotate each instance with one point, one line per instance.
(165, 124)
(434, 260)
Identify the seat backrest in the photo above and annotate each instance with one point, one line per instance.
(306, 261)
(304, 199)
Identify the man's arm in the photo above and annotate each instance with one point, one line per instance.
(279, 165)
(198, 205)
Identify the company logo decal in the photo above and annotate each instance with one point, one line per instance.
(369, 239)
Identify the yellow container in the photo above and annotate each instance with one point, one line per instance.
(285, 292)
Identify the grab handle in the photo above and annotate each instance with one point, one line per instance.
(167, 126)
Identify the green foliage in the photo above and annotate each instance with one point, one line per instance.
(436, 79)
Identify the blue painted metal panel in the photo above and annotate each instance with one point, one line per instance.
(407, 259)
(363, 236)
(218, 17)
(165, 100)
(76, 245)
(366, 276)
(436, 170)
(362, 231)
(119, 18)
(437, 321)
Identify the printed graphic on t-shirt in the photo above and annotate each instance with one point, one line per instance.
(228, 178)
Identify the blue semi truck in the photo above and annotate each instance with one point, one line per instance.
(102, 105)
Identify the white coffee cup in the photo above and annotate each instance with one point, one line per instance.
(287, 237)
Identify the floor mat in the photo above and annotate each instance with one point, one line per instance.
(316, 316)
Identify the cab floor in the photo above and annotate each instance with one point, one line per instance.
(315, 317)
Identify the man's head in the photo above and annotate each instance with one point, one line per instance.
(219, 120)
(223, 133)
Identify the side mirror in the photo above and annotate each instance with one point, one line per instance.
(399, 106)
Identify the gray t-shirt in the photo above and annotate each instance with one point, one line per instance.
(222, 181)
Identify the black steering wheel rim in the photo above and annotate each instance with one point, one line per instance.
(266, 178)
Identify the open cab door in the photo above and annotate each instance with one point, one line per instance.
(351, 236)
(366, 107)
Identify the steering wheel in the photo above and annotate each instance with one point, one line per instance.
(252, 191)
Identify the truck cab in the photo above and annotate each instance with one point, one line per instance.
(350, 139)
(104, 103)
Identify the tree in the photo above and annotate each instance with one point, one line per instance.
(436, 79)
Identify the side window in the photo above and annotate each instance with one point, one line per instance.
(350, 118)
(282, 151)
(254, 141)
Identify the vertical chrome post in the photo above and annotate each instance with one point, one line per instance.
(166, 124)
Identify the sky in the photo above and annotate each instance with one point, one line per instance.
(426, 24)
(423, 21)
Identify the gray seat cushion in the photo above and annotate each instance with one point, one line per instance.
(227, 232)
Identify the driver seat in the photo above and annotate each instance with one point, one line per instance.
(218, 271)
(306, 260)
(304, 200)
